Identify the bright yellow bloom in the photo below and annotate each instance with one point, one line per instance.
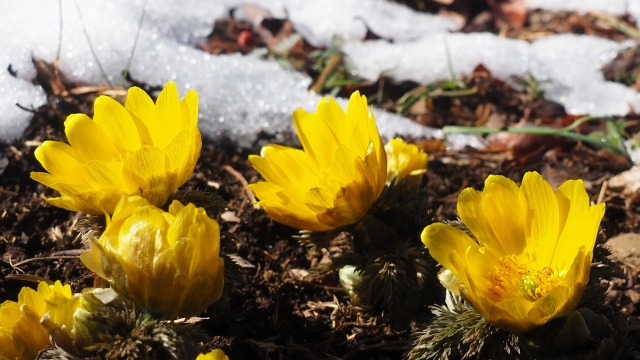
(404, 160)
(21, 335)
(167, 262)
(529, 262)
(56, 301)
(335, 179)
(140, 148)
(216, 354)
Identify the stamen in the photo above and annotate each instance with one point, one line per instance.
(512, 279)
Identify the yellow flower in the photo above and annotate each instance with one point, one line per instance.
(167, 262)
(529, 262)
(216, 354)
(335, 179)
(21, 335)
(56, 301)
(140, 148)
(404, 160)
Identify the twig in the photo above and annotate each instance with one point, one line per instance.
(93, 51)
(125, 73)
(603, 190)
(242, 180)
(332, 63)
(16, 265)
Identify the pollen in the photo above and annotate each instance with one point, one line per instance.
(515, 279)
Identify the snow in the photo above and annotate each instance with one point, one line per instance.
(437, 57)
(611, 7)
(566, 66)
(241, 96)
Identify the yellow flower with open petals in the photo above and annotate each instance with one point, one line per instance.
(404, 160)
(530, 259)
(166, 262)
(56, 301)
(140, 148)
(337, 176)
(21, 335)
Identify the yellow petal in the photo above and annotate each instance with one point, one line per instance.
(92, 259)
(446, 243)
(57, 158)
(104, 175)
(541, 220)
(500, 203)
(88, 140)
(169, 115)
(288, 167)
(183, 152)
(511, 314)
(149, 171)
(484, 214)
(189, 107)
(117, 124)
(581, 222)
(320, 132)
(364, 128)
(143, 112)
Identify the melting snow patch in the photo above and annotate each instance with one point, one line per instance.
(567, 66)
(239, 95)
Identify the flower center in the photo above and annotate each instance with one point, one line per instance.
(512, 279)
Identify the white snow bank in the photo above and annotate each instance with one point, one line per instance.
(567, 66)
(239, 95)
(611, 7)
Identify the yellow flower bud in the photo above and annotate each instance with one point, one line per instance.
(140, 148)
(529, 259)
(337, 176)
(404, 160)
(166, 262)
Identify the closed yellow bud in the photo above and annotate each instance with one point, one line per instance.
(140, 148)
(404, 160)
(166, 262)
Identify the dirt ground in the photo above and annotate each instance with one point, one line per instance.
(282, 309)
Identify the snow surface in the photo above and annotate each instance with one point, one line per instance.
(567, 66)
(239, 95)
(611, 7)
(243, 95)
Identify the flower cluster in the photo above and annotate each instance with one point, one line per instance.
(125, 163)
(519, 257)
(345, 179)
(339, 173)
